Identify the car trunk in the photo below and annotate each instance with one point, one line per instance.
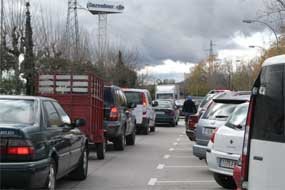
(229, 140)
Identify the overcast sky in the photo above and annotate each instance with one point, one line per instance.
(175, 30)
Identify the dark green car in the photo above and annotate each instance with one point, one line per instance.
(166, 113)
(39, 144)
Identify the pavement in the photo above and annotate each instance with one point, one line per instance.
(160, 161)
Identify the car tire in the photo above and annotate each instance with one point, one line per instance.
(146, 129)
(51, 178)
(131, 139)
(100, 150)
(81, 171)
(152, 129)
(225, 181)
(120, 142)
(173, 124)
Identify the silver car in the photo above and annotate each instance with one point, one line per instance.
(214, 117)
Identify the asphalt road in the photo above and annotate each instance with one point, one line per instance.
(160, 161)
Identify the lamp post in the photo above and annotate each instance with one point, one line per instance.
(258, 21)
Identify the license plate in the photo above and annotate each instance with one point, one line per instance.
(207, 131)
(160, 112)
(226, 163)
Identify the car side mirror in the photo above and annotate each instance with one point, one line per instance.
(154, 104)
(79, 123)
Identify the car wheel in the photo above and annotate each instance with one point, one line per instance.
(131, 139)
(173, 124)
(100, 150)
(225, 181)
(119, 143)
(51, 180)
(80, 173)
(152, 129)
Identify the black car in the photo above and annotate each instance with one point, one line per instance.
(119, 122)
(39, 144)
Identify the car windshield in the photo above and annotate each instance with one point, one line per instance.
(17, 111)
(134, 97)
(238, 117)
(219, 111)
(165, 104)
(108, 97)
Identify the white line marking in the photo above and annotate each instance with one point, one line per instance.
(185, 166)
(152, 181)
(166, 156)
(181, 135)
(171, 149)
(175, 144)
(160, 166)
(178, 139)
(206, 181)
(184, 157)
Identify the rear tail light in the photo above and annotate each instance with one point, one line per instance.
(114, 114)
(212, 139)
(18, 147)
(144, 101)
(192, 121)
(245, 151)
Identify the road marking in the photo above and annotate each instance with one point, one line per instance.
(185, 166)
(181, 135)
(178, 139)
(166, 156)
(171, 149)
(183, 156)
(175, 144)
(160, 166)
(152, 181)
(204, 181)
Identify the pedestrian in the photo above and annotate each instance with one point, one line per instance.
(189, 108)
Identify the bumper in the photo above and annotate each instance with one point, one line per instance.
(28, 174)
(199, 151)
(164, 119)
(213, 159)
(143, 124)
(191, 134)
(112, 129)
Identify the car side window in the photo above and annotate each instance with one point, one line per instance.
(63, 115)
(52, 115)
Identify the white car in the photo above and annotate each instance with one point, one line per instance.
(144, 111)
(225, 147)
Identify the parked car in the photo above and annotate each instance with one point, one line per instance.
(264, 142)
(144, 110)
(197, 100)
(119, 123)
(166, 113)
(81, 96)
(216, 116)
(225, 147)
(192, 121)
(39, 144)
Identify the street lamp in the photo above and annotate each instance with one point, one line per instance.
(253, 46)
(258, 21)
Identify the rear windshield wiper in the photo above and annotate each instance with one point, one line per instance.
(221, 116)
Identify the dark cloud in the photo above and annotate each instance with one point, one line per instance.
(176, 29)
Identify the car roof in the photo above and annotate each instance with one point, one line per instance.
(17, 97)
(233, 96)
(134, 90)
(274, 60)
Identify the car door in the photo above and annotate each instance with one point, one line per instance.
(57, 136)
(267, 145)
(124, 108)
(75, 136)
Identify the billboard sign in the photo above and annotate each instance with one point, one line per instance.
(105, 7)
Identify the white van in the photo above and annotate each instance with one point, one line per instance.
(264, 143)
(144, 112)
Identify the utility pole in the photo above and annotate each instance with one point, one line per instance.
(1, 38)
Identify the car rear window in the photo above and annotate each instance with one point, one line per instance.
(134, 97)
(164, 96)
(207, 98)
(165, 104)
(238, 117)
(268, 116)
(219, 111)
(108, 96)
(17, 111)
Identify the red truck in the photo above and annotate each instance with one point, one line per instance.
(81, 96)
